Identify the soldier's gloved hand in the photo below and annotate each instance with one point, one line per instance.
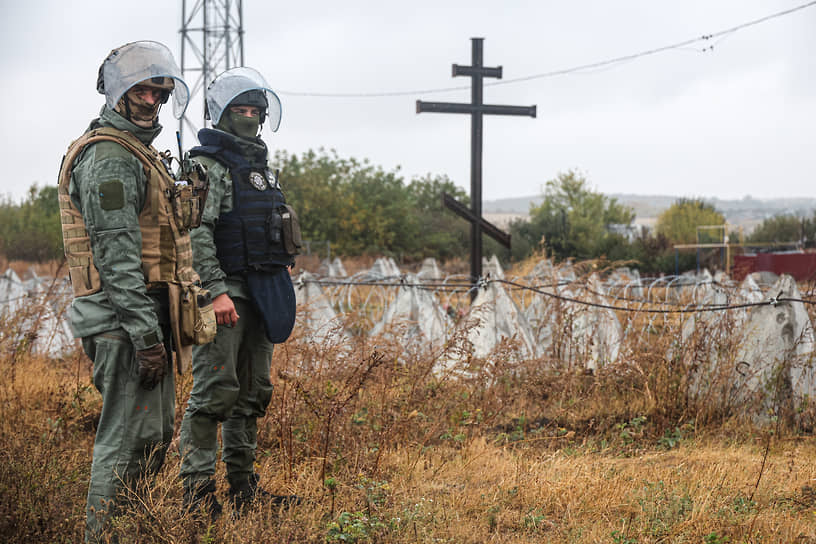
(152, 366)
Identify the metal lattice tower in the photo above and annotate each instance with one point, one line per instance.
(212, 40)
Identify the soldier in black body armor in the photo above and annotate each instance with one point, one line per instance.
(248, 239)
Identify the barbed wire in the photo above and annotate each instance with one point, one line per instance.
(773, 301)
(13, 281)
(612, 295)
(485, 281)
(15, 299)
(466, 286)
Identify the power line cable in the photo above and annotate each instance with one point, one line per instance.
(706, 38)
(649, 52)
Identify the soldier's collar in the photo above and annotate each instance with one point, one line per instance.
(110, 118)
(254, 151)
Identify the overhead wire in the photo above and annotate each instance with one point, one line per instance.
(649, 52)
(705, 38)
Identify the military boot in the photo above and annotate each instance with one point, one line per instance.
(200, 496)
(246, 492)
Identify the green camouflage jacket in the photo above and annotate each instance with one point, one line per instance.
(116, 240)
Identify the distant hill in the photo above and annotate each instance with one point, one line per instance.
(746, 212)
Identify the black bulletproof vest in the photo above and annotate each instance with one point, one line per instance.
(250, 237)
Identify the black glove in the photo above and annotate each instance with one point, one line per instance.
(152, 366)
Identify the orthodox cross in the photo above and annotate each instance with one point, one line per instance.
(477, 72)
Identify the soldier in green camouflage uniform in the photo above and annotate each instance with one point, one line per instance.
(231, 375)
(123, 321)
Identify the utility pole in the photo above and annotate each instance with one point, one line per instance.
(212, 41)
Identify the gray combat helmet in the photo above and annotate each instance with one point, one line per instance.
(144, 62)
(237, 81)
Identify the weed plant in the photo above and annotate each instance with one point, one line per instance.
(384, 444)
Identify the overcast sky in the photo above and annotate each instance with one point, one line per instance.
(735, 120)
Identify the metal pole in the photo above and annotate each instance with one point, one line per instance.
(205, 64)
(228, 36)
(211, 53)
(183, 37)
(476, 164)
(241, 28)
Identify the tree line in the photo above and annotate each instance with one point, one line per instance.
(362, 209)
(30, 230)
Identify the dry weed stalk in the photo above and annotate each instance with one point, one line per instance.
(388, 445)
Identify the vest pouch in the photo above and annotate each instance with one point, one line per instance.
(292, 239)
(273, 227)
(194, 186)
(274, 297)
(187, 207)
(198, 325)
(80, 280)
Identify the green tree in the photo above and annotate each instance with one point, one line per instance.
(362, 209)
(784, 228)
(376, 221)
(679, 222)
(443, 233)
(353, 204)
(525, 238)
(572, 219)
(30, 230)
(313, 182)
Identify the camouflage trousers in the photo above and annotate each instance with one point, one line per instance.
(135, 427)
(230, 385)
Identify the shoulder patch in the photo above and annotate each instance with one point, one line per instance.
(112, 195)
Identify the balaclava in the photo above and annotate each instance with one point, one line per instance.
(239, 125)
(133, 108)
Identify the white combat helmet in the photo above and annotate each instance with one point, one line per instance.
(234, 82)
(144, 62)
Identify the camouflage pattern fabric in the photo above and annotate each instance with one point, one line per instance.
(115, 236)
(230, 385)
(110, 189)
(135, 427)
(231, 375)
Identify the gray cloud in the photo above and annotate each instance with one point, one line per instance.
(723, 123)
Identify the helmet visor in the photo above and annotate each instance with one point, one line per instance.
(135, 62)
(236, 81)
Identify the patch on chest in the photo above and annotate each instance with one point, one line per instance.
(257, 180)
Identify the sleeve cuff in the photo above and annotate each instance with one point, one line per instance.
(216, 287)
(148, 340)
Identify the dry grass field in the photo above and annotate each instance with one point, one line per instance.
(383, 449)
